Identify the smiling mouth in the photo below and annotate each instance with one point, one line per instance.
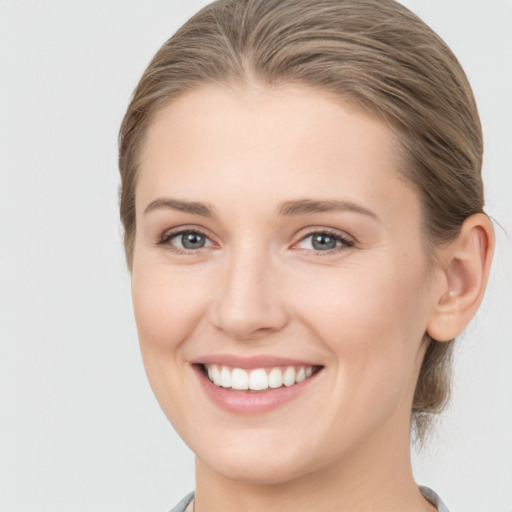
(257, 379)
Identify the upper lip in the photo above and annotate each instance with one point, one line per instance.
(260, 361)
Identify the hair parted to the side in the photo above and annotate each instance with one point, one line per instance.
(373, 53)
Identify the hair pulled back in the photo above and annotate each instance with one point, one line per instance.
(373, 53)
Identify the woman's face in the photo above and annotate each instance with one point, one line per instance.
(277, 242)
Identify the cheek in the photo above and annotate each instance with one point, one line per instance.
(362, 299)
(166, 305)
(372, 318)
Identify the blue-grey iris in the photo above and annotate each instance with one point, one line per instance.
(192, 240)
(322, 242)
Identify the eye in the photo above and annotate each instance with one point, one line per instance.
(186, 240)
(323, 241)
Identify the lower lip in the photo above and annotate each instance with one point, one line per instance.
(244, 402)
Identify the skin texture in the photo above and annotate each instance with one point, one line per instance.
(258, 287)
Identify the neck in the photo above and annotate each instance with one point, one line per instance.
(376, 476)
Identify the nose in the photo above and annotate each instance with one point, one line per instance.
(249, 303)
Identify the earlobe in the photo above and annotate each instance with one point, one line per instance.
(465, 269)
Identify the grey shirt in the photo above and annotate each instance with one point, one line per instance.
(428, 493)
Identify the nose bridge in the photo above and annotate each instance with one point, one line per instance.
(249, 303)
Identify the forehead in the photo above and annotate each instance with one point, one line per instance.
(219, 143)
(286, 115)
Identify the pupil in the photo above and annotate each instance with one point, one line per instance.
(323, 242)
(192, 240)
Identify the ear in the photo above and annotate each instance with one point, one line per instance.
(465, 264)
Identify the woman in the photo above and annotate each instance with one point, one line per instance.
(303, 215)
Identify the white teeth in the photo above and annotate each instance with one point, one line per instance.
(289, 376)
(217, 378)
(225, 376)
(239, 379)
(275, 378)
(258, 379)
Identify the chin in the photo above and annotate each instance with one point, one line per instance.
(256, 469)
(261, 462)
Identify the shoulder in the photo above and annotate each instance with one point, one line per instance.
(182, 505)
(431, 496)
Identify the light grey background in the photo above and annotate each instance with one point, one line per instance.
(79, 427)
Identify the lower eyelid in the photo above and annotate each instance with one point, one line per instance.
(208, 242)
(344, 242)
(170, 234)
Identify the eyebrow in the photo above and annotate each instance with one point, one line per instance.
(288, 208)
(192, 207)
(304, 206)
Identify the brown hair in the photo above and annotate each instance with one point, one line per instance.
(375, 53)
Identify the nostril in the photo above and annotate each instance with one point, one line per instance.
(249, 322)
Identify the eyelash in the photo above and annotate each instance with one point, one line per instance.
(346, 243)
(169, 235)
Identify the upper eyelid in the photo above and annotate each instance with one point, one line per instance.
(341, 235)
(172, 232)
(163, 240)
(344, 243)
